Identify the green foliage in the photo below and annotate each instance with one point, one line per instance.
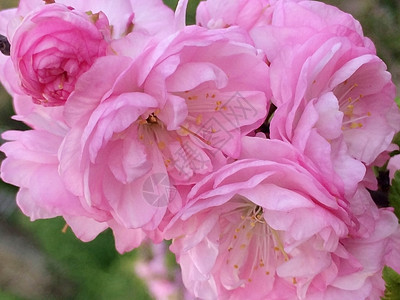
(392, 280)
(191, 10)
(396, 141)
(394, 194)
(8, 3)
(93, 270)
(7, 296)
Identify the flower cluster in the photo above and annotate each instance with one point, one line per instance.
(248, 139)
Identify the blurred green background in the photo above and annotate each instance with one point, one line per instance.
(38, 261)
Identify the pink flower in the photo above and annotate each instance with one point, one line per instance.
(164, 282)
(152, 16)
(129, 17)
(261, 227)
(275, 24)
(32, 165)
(141, 126)
(264, 227)
(393, 165)
(322, 85)
(215, 14)
(335, 103)
(53, 46)
(309, 73)
(350, 92)
(286, 28)
(376, 247)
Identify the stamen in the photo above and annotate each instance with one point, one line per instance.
(259, 235)
(65, 228)
(196, 135)
(353, 123)
(199, 119)
(279, 244)
(63, 78)
(347, 92)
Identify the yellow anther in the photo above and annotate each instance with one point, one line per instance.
(161, 145)
(199, 119)
(167, 162)
(64, 230)
(355, 125)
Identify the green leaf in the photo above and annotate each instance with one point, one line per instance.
(397, 99)
(191, 9)
(396, 139)
(392, 280)
(394, 194)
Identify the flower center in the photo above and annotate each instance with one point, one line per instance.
(253, 247)
(152, 119)
(347, 104)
